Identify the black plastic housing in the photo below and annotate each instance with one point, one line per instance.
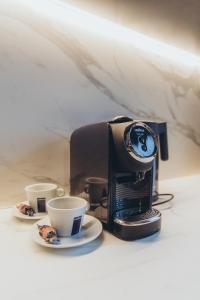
(112, 178)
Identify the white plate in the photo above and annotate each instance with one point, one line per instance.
(90, 230)
(18, 214)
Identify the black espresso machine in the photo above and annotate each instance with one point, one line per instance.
(114, 166)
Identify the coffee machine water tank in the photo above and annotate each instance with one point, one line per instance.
(112, 167)
(160, 128)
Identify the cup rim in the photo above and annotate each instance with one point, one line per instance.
(52, 186)
(98, 180)
(66, 209)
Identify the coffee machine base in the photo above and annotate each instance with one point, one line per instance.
(140, 226)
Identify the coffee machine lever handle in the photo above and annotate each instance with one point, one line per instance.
(162, 130)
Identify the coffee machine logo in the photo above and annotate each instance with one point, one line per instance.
(142, 141)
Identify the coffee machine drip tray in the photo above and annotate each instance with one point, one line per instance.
(129, 227)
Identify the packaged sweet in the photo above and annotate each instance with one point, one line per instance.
(49, 234)
(26, 209)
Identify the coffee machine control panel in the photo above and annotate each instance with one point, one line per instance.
(141, 141)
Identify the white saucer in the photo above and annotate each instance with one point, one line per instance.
(18, 214)
(91, 229)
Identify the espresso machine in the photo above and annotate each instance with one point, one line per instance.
(114, 165)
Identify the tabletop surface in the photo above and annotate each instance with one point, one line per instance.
(163, 266)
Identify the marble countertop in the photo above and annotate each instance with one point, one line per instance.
(163, 266)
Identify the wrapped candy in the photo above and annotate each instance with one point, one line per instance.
(49, 234)
(26, 209)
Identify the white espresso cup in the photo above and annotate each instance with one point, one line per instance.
(66, 214)
(38, 194)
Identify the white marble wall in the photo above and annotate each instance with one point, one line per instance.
(55, 77)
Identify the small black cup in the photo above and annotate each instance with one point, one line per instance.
(97, 189)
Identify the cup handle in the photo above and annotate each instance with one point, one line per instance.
(87, 206)
(60, 192)
(86, 189)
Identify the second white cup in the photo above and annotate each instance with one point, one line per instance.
(38, 194)
(66, 214)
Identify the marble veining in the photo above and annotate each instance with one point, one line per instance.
(55, 77)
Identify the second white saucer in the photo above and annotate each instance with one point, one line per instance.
(18, 214)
